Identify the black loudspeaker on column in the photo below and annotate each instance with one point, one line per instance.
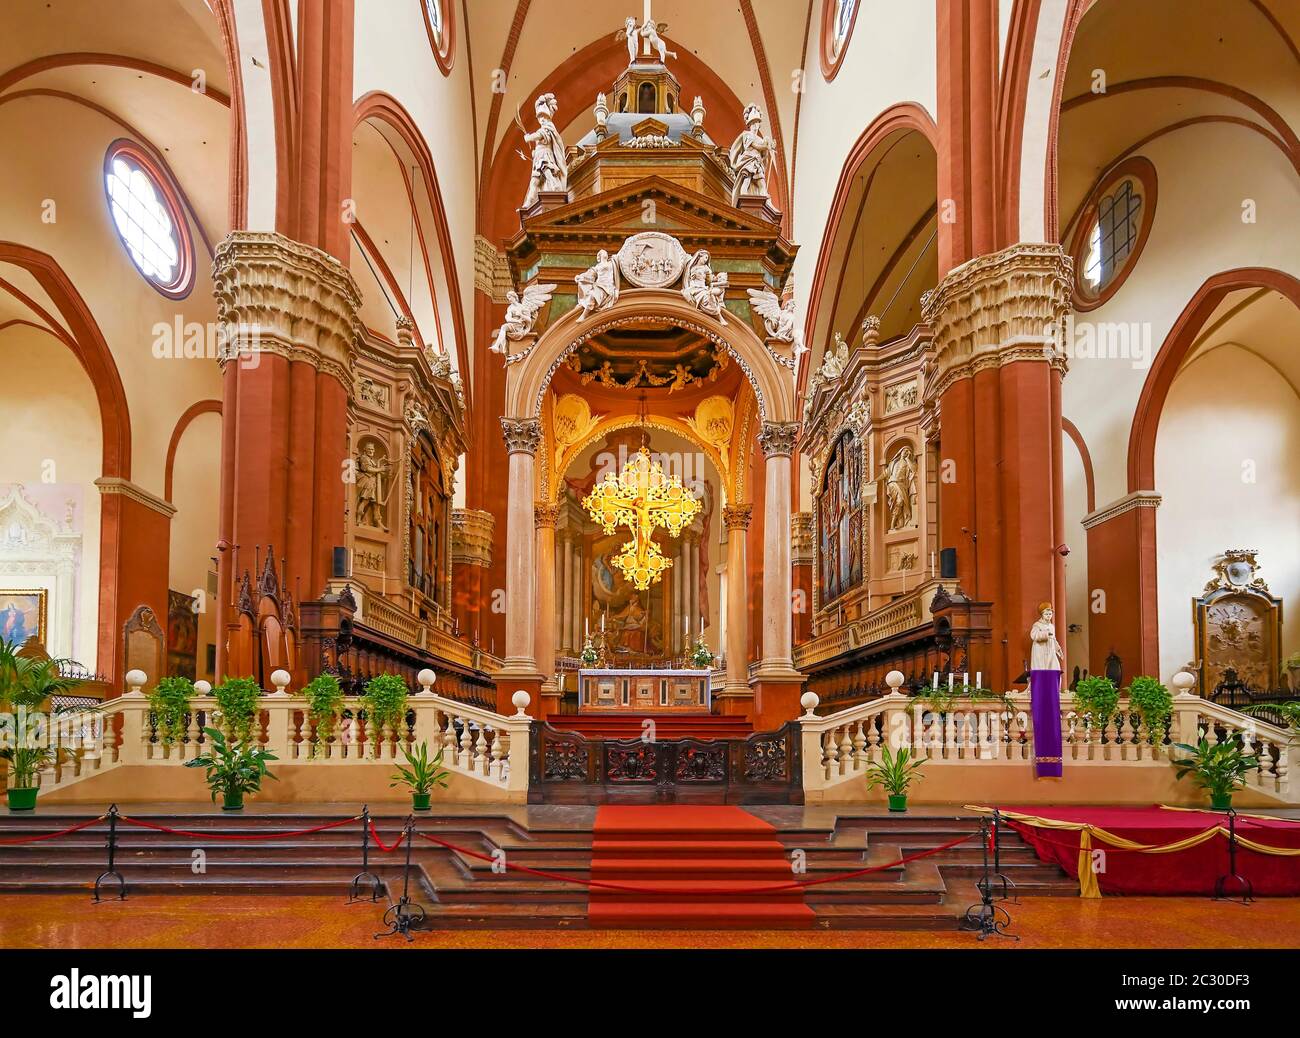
(948, 563)
(341, 563)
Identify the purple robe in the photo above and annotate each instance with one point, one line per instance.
(1045, 707)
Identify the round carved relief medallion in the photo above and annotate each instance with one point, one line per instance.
(652, 259)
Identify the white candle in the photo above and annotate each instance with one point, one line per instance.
(950, 677)
(979, 679)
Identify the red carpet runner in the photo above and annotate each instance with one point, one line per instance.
(666, 852)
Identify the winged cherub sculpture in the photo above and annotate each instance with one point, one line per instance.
(778, 318)
(521, 315)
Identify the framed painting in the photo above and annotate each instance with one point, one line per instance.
(22, 615)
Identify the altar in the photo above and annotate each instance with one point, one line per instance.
(640, 691)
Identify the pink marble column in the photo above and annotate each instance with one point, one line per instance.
(522, 436)
(777, 440)
(545, 518)
(737, 519)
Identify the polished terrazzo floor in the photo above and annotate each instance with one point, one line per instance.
(70, 921)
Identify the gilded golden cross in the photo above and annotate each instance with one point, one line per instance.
(643, 499)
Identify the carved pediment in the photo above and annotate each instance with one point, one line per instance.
(622, 212)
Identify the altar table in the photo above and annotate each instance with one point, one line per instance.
(638, 691)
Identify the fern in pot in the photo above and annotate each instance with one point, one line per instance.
(385, 704)
(237, 704)
(895, 772)
(1097, 698)
(235, 770)
(1153, 703)
(422, 775)
(170, 704)
(324, 708)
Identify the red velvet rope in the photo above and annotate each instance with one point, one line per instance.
(231, 836)
(775, 889)
(50, 836)
(374, 835)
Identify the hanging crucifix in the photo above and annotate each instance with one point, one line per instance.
(643, 499)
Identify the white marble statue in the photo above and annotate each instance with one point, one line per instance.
(703, 288)
(900, 489)
(751, 157)
(650, 31)
(1045, 651)
(835, 360)
(778, 318)
(632, 35)
(550, 160)
(521, 315)
(598, 285)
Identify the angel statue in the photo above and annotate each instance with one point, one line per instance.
(751, 157)
(549, 159)
(650, 32)
(702, 287)
(778, 318)
(598, 285)
(521, 315)
(632, 35)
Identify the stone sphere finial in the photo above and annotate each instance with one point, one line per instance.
(1184, 681)
(280, 679)
(809, 701)
(894, 679)
(203, 688)
(426, 678)
(521, 699)
(135, 681)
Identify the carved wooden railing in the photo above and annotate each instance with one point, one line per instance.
(482, 745)
(998, 732)
(391, 641)
(761, 768)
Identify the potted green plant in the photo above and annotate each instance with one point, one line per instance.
(894, 772)
(589, 656)
(26, 684)
(232, 769)
(237, 703)
(422, 776)
(1097, 696)
(1288, 712)
(324, 707)
(1153, 704)
(1220, 769)
(170, 703)
(385, 705)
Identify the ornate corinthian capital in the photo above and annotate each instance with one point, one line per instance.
(777, 438)
(737, 517)
(275, 295)
(997, 309)
(522, 435)
(546, 516)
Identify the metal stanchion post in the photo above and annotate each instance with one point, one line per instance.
(986, 917)
(360, 879)
(405, 914)
(999, 886)
(1233, 876)
(112, 859)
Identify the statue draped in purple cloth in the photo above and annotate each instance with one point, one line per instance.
(1045, 662)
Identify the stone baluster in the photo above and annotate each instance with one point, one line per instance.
(846, 750)
(466, 745)
(449, 741)
(500, 739)
(480, 752)
(830, 753)
(859, 741)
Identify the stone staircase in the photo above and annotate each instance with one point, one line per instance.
(462, 891)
